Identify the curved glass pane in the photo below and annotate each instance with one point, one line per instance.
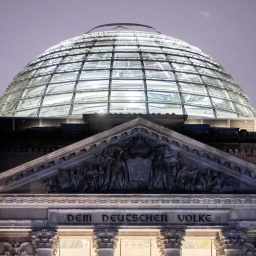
(124, 71)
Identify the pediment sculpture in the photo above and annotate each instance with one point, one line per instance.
(140, 164)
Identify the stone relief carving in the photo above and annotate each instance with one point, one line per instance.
(140, 164)
(15, 248)
(45, 238)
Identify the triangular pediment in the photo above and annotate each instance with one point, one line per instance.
(136, 157)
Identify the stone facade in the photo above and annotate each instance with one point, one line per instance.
(138, 175)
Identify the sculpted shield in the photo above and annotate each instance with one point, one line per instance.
(139, 170)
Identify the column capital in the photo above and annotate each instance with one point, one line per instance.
(105, 238)
(232, 238)
(45, 239)
(170, 239)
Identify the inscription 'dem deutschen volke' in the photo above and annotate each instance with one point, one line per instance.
(139, 218)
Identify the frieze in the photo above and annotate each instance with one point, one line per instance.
(137, 217)
(140, 164)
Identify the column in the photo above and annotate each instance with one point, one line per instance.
(231, 242)
(104, 241)
(45, 242)
(170, 241)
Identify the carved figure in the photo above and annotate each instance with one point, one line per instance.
(186, 179)
(117, 173)
(161, 178)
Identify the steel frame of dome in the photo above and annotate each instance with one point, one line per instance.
(121, 70)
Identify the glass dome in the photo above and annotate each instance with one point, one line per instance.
(124, 68)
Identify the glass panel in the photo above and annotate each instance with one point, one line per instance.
(157, 65)
(196, 99)
(18, 85)
(63, 87)
(162, 85)
(64, 77)
(186, 87)
(206, 71)
(52, 61)
(73, 58)
(177, 58)
(71, 66)
(212, 81)
(183, 67)
(80, 50)
(29, 103)
(220, 103)
(57, 99)
(165, 108)
(154, 74)
(55, 111)
(33, 91)
(127, 64)
(126, 73)
(39, 80)
(199, 111)
(128, 55)
(189, 77)
(94, 74)
(75, 246)
(93, 85)
(91, 96)
(30, 112)
(127, 84)
(238, 97)
(45, 70)
(99, 56)
(14, 96)
(150, 49)
(102, 49)
(242, 109)
(96, 65)
(125, 107)
(126, 48)
(138, 247)
(199, 247)
(214, 91)
(79, 109)
(225, 114)
(153, 56)
(129, 96)
(164, 97)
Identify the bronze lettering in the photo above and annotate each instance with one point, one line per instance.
(113, 217)
(208, 218)
(140, 218)
(70, 217)
(129, 215)
(163, 218)
(104, 218)
(135, 217)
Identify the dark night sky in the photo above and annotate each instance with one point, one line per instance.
(224, 29)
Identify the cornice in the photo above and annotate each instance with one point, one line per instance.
(129, 200)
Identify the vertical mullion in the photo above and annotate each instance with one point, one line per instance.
(176, 80)
(144, 75)
(78, 77)
(110, 75)
(208, 93)
(47, 84)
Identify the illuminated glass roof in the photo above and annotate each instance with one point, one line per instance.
(124, 68)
